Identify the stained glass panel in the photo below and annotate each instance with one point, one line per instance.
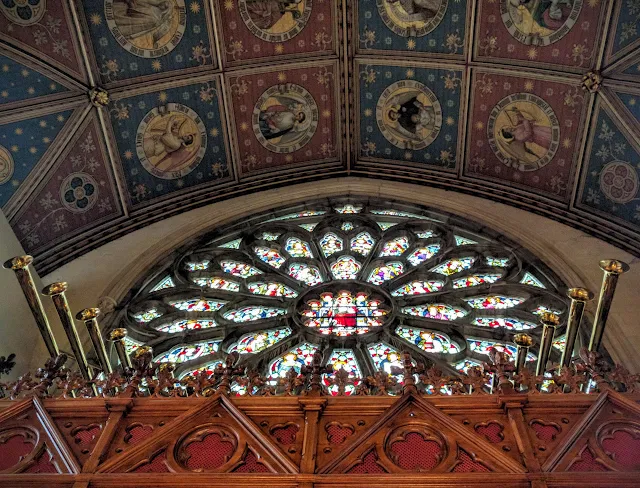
(207, 370)
(362, 243)
(345, 268)
(386, 272)
(330, 244)
(131, 345)
(463, 241)
(342, 359)
(464, 365)
(198, 305)
(234, 244)
(560, 343)
(349, 209)
(418, 288)
(421, 254)
(438, 311)
(259, 341)
(271, 289)
(483, 347)
(343, 314)
(544, 309)
(428, 340)
(251, 313)
(298, 248)
(395, 247)
(217, 284)
(308, 227)
(386, 225)
(426, 234)
(475, 280)
(296, 358)
(147, 316)
(305, 213)
(454, 266)
(197, 265)
(164, 284)
(269, 236)
(186, 324)
(384, 356)
(529, 279)
(497, 262)
(346, 226)
(398, 213)
(270, 256)
(305, 273)
(182, 354)
(242, 270)
(506, 323)
(494, 301)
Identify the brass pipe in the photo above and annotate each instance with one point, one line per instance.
(89, 317)
(612, 270)
(57, 293)
(550, 321)
(579, 297)
(523, 343)
(20, 266)
(117, 337)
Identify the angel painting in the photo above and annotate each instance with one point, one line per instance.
(415, 10)
(266, 13)
(540, 16)
(527, 138)
(411, 117)
(283, 119)
(171, 143)
(144, 22)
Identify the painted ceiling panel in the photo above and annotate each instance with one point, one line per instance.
(524, 130)
(410, 113)
(629, 99)
(623, 37)
(437, 28)
(610, 181)
(44, 29)
(263, 30)
(285, 117)
(22, 145)
(78, 194)
(171, 141)
(146, 39)
(558, 33)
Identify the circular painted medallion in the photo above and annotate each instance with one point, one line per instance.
(412, 18)
(285, 118)
(171, 141)
(23, 12)
(523, 131)
(275, 20)
(619, 181)
(409, 115)
(79, 192)
(6, 165)
(146, 28)
(539, 22)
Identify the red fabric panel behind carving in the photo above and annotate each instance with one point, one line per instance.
(468, 465)
(209, 453)
(623, 449)
(286, 435)
(416, 453)
(86, 438)
(13, 451)
(156, 465)
(545, 433)
(138, 433)
(251, 465)
(338, 434)
(368, 466)
(587, 462)
(43, 465)
(492, 432)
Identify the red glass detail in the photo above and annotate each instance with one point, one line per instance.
(251, 465)
(87, 437)
(416, 453)
(623, 448)
(156, 465)
(137, 434)
(367, 466)
(338, 434)
(466, 464)
(544, 432)
(491, 431)
(286, 435)
(209, 453)
(587, 462)
(14, 450)
(43, 465)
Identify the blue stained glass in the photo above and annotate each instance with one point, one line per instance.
(308, 227)
(454, 266)
(384, 356)
(386, 225)
(239, 269)
(418, 288)
(235, 244)
(343, 359)
(259, 341)
(198, 305)
(346, 226)
(269, 236)
(463, 241)
(189, 352)
(296, 358)
(310, 275)
(529, 279)
(421, 254)
(197, 266)
(428, 340)
(251, 313)
(437, 311)
(305, 213)
(385, 272)
(483, 347)
(427, 234)
(497, 262)
(349, 209)
(270, 256)
(398, 213)
(164, 284)
(271, 289)
(345, 268)
(475, 280)
(217, 284)
(298, 248)
(186, 324)
(494, 301)
(395, 247)
(330, 244)
(362, 243)
(506, 323)
(147, 316)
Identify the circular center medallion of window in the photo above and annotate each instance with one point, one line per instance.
(275, 20)
(344, 312)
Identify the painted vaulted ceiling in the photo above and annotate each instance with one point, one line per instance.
(117, 113)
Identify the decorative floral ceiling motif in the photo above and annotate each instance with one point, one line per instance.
(449, 308)
(192, 101)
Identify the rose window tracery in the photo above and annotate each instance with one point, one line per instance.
(361, 282)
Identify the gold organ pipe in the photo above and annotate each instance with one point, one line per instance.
(20, 266)
(579, 298)
(550, 321)
(612, 270)
(89, 317)
(523, 343)
(117, 337)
